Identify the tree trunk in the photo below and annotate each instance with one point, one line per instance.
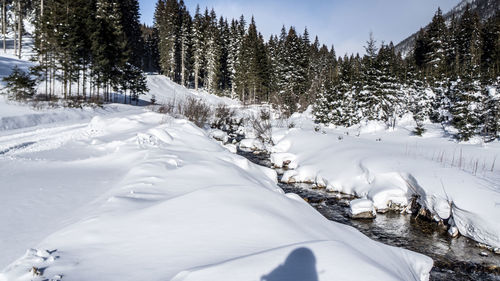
(4, 28)
(84, 82)
(47, 95)
(41, 34)
(196, 73)
(183, 64)
(15, 35)
(20, 27)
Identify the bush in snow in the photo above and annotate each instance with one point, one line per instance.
(20, 85)
(224, 117)
(262, 127)
(196, 111)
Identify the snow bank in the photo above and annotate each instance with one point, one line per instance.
(162, 201)
(21, 116)
(362, 208)
(389, 167)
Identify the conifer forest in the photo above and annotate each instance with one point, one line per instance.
(98, 47)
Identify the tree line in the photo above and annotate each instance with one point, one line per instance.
(451, 78)
(14, 20)
(93, 48)
(232, 58)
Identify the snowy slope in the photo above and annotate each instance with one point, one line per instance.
(166, 91)
(452, 180)
(137, 195)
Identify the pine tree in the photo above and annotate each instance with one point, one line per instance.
(167, 22)
(213, 52)
(389, 88)
(129, 11)
(19, 84)
(435, 58)
(185, 44)
(293, 73)
(108, 46)
(490, 55)
(198, 41)
(368, 100)
(466, 91)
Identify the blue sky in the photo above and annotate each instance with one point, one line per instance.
(343, 23)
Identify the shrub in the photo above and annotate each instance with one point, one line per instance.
(262, 126)
(224, 117)
(20, 85)
(196, 111)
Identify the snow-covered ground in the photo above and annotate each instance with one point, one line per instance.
(455, 181)
(122, 193)
(136, 195)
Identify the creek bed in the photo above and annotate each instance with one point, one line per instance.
(454, 258)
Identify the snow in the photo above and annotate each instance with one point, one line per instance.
(166, 92)
(389, 167)
(359, 206)
(123, 193)
(164, 200)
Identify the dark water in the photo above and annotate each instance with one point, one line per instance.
(454, 259)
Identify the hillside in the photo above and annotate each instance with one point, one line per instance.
(484, 8)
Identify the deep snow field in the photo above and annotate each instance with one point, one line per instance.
(123, 193)
(131, 194)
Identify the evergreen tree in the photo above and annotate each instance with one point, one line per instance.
(108, 46)
(19, 84)
(198, 43)
(237, 32)
(368, 100)
(185, 44)
(213, 52)
(466, 91)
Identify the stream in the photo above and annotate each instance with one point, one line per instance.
(454, 258)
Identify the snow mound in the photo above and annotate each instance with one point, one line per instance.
(451, 180)
(173, 203)
(315, 260)
(362, 206)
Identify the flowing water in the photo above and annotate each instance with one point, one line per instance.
(454, 259)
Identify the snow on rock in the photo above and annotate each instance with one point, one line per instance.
(362, 209)
(139, 197)
(219, 135)
(280, 160)
(389, 167)
(231, 148)
(252, 144)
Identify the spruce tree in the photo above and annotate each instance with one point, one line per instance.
(213, 53)
(466, 91)
(198, 43)
(368, 100)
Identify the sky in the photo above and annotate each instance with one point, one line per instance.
(346, 24)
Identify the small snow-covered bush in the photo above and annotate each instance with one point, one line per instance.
(20, 85)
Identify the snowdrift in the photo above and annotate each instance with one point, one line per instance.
(160, 200)
(457, 182)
